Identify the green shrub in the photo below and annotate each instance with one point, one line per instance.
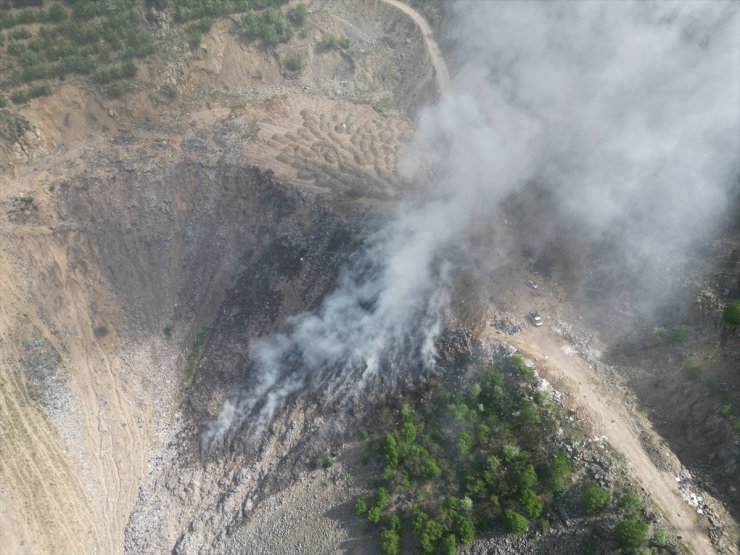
(418, 520)
(448, 545)
(465, 441)
(691, 368)
(382, 498)
(731, 313)
(167, 332)
(594, 499)
(329, 40)
(250, 26)
(360, 506)
(12, 126)
(57, 13)
(298, 15)
(20, 33)
(558, 473)
(725, 410)
(344, 43)
(630, 502)
(390, 451)
(517, 363)
(373, 516)
(126, 70)
(463, 529)
(530, 503)
(660, 537)
(293, 63)
(327, 461)
(678, 335)
(390, 542)
(198, 29)
(388, 41)
(115, 90)
(3, 102)
(514, 522)
(432, 533)
(195, 352)
(631, 533)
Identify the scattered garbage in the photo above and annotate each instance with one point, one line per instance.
(535, 318)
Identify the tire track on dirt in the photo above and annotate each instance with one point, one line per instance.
(438, 62)
(615, 422)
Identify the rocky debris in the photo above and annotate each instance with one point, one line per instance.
(506, 323)
(19, 208)
(48, 386)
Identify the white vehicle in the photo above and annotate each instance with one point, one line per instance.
(536, 319)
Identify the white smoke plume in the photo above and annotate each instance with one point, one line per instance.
(627, 113)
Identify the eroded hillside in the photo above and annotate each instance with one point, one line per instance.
(148, 238)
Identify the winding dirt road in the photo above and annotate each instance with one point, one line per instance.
(440, 67)
(612, 418)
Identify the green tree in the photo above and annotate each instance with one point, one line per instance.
(448, 546)
(390, 542)
(594, 499)
(390, 451)
(464, 442)
(558, 473)
(382, 498)
(373, 515)
(529, 414)
(418, 520)
(514, 522)
(731, 313)
(463, 528)
(526, 477)
(433, 532)
(530, 502)
(631, 533)
(408, 431)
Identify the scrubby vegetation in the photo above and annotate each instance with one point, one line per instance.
(488, 456)
(82, 37)
(451, 463)
(42, 43)
(675, 335)
(194, 357)
(594, 499)
(691, 368)
(330, 40)
(731, 313)
(189, 10)
(293, 63)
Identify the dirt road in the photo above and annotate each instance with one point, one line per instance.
(440, 67)
(612, 418)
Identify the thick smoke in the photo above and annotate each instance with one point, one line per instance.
(627, 114)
